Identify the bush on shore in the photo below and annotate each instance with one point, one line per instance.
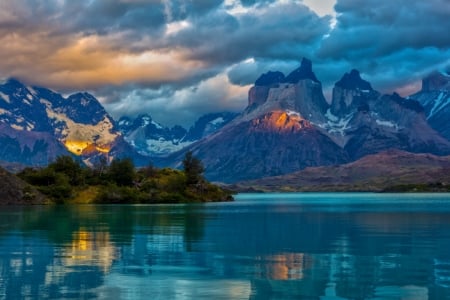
(66, 181)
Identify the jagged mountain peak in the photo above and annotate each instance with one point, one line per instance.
(270, 78)
(301, 73)
(436, 81)
(353, 81)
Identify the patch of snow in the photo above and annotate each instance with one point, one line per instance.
(439, 103)
(17, 127)
(157, 125)
(5, 97)
(30, 97)
(162, 146)
(101, 133)
(330, 116)
(4, 112)
(32, 91)
(293, 113)
(386, 123)
(336, 125)
(217, 121)
(123, 122)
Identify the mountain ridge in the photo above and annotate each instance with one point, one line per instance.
(372, 173)
(358, 122)
(288, 125)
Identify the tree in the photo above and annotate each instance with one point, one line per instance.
(67, 165)
(121, 171)
(193, 168)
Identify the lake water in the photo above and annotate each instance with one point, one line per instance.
(262, 246)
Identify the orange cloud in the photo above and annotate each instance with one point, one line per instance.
(89, 61)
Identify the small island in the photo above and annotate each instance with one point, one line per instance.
(65, 181)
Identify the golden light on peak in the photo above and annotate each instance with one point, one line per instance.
(81, 147)
(281, 121)
(76, 147)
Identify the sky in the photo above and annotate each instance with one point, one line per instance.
(179, 59)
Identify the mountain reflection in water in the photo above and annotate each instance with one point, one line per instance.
(273, 246)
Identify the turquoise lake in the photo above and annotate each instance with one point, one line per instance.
(262, 246)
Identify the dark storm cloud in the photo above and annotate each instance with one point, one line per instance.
(279, 31)
(394, 42)
(177, 59)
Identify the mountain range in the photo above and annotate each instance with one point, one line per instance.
(287, 126)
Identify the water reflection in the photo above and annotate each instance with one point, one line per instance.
(279, 248)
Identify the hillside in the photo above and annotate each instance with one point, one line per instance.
(14, 191)
(376, 172)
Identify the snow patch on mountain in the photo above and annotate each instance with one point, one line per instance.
(217, 121)
(337, 125)
(292, 113)
(164, 147)
(157, 125)
(386, 123)
(5, 97)
(330, 116)
(439, 103)
(4, 112)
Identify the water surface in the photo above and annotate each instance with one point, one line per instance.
(262, 246)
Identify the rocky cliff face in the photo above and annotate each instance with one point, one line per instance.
(435, 98)
(288, 125)
(363, 121)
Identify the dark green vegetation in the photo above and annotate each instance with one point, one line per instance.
(66, 181)
(13, 190)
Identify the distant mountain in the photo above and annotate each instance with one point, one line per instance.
(288, 125)
(37, 125)
(435, 98)
(374, 172)
(363, 121)
(153, 139)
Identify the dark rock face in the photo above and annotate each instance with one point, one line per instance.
(209, 124)
(353, 81)
(270, 78)
(435, 98)
(436, 82)
(29, 147)
(14, 191)
(302, 73)
(351, 93)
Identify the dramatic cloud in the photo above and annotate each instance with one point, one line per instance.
(178, 59)
(393, 42)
